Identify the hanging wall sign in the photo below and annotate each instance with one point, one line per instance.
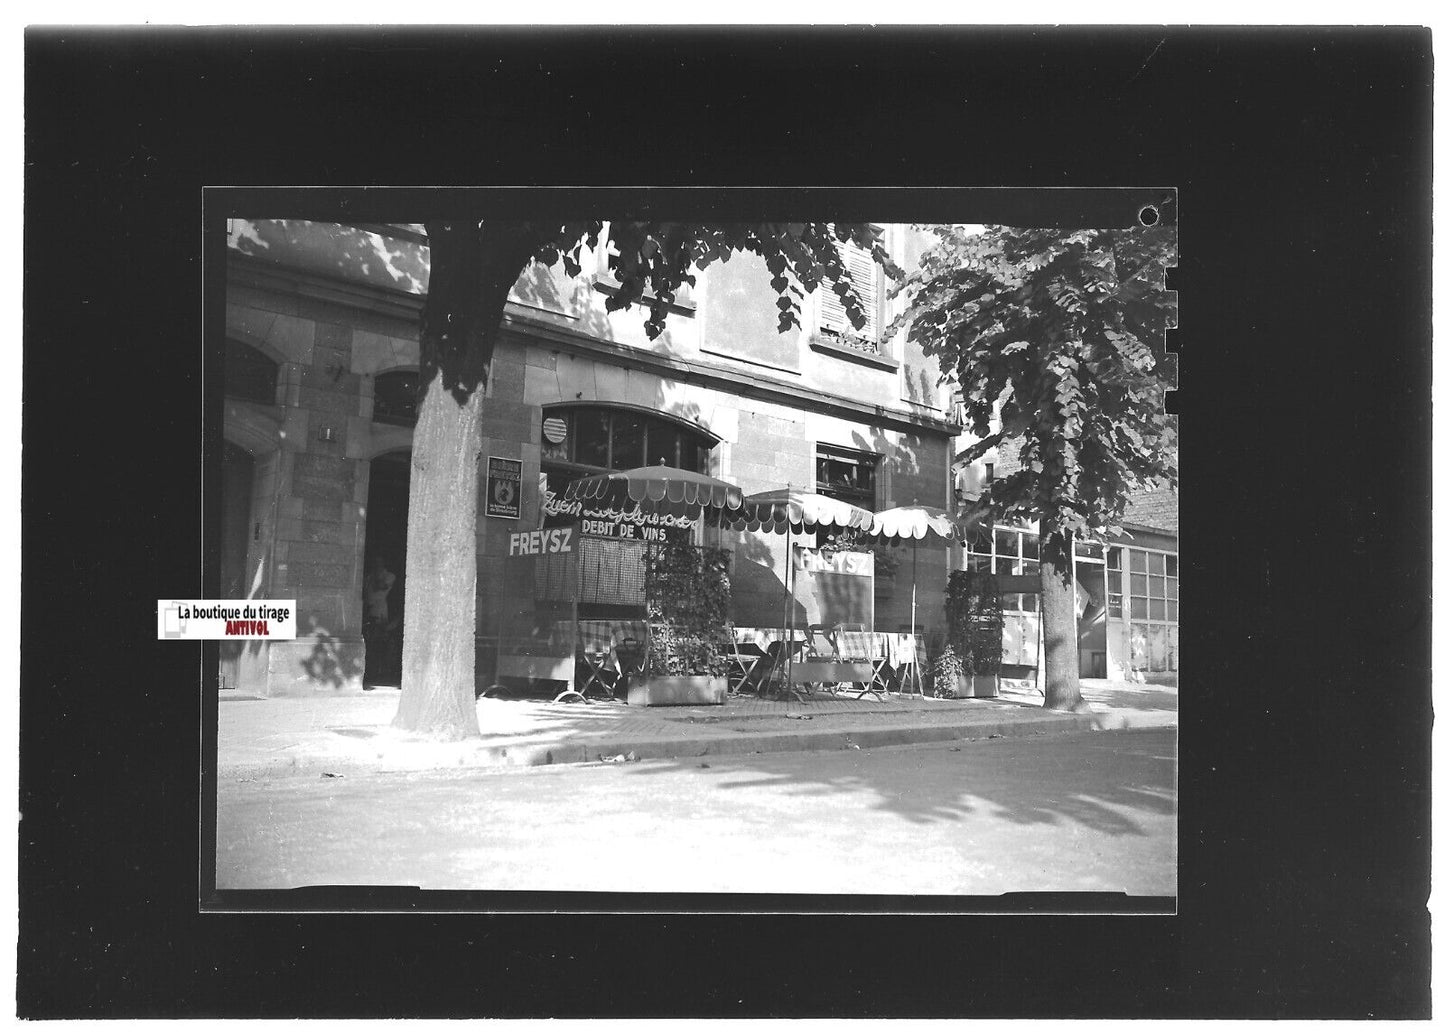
(834, 588)
(504, 487)
(555, 430)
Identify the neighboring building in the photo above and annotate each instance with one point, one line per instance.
(321, 363)
(1129, 600)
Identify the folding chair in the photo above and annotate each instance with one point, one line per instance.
(743, 662)
(774, 665)
(630, 649)
(864, 647)
(597, 666)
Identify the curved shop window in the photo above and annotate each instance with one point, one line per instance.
(587, 439)
(581, 440)
(578, 441)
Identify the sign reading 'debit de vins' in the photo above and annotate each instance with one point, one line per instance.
(543, 540)
(614, 523)
(504, 487)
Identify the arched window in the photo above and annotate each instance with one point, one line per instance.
(394, 398)
(578, 441)
(249, 373)
(606, 438)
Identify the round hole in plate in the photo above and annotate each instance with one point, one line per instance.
(1148, 215)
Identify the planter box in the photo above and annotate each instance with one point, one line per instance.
(664, 690)
(976, 686)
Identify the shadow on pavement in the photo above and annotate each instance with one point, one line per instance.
(1084, 778)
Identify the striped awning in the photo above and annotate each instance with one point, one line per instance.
(913, 522)
(658, 489)
(778, 510)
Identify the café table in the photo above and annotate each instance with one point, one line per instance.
(759, 652)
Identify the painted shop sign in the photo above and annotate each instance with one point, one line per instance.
(834, 588)
(504, 487)
(612, 523)
(840, 562)
(543, 540)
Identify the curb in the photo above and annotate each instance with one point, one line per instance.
(426, 757)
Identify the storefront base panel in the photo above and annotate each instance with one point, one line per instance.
(665, 690)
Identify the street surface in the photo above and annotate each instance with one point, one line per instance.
(1075, 812)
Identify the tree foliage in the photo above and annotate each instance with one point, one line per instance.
(474, 264)
(653, 260)
(1056, 338)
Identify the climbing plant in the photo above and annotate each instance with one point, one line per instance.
(975, 630)
(689, 592)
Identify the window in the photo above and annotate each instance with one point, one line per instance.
(847, 475)
(866, 277)
(1153, 585)
(394, 398)
(614, 439)
(1116, 582)
(249, 374)
(1006, 551)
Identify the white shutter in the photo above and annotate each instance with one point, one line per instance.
(863, 272)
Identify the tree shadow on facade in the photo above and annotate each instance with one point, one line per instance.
(332, 662)
(1081, 788)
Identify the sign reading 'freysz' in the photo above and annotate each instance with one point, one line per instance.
(543, 540)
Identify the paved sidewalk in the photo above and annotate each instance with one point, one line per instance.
(354, 730)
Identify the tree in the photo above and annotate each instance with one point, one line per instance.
(1056, 338)
(474, 264)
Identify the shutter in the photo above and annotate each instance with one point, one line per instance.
(863, 272)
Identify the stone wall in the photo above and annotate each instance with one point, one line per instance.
(309, 495)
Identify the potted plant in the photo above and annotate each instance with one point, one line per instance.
(688, 596)
(970, 660)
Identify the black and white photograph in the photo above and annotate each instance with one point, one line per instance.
(694, 521)
(642, 556)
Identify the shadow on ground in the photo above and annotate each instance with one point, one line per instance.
(1086, 779)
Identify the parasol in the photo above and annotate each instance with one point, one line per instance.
(666, 490)
(792, 510)
(913, 523)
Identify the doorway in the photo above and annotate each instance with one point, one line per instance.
(1093, 620)
(384, 567)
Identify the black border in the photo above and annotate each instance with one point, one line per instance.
(1302, 160)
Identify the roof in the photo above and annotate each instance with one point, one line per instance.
(1153, 509)
(1156, 509)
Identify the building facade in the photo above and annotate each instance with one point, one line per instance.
(321, 361)
(1127, 589)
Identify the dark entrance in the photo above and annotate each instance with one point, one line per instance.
(382, 607)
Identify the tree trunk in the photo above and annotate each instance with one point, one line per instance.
(473, 267)
(1061, 630)
(438, 664)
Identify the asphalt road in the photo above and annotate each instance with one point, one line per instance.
(1076, 812)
